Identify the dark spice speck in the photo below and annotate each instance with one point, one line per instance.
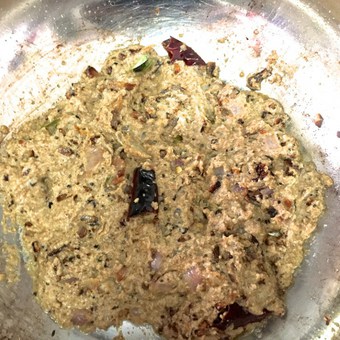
(91, 72)
(272, 212)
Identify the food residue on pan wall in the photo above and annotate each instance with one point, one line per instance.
(10, 254)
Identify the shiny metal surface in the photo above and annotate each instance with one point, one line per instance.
(46, 44)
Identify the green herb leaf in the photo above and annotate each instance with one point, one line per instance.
(143, 63)
(52, 126)
(178, 139)
(108, 186)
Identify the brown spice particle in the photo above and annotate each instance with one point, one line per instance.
(91, 72)
(36, 246)
(121, 56)
(66, 151)
(327, 319)
(177, 68)
(318, 120)
(70, 93)
(162, 153)
(121, 274)
(129, 86)
(214, 187)
(82, 232)
(61, 197)
(109, 70)
(287, 203)
(211, 67)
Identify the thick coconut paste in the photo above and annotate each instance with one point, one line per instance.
(154, 192)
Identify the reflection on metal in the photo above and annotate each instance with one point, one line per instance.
(46, 44)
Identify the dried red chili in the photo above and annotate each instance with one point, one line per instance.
(177, 50)
(236, 315)
(144, 192)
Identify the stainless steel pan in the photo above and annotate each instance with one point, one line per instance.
(46, 44)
